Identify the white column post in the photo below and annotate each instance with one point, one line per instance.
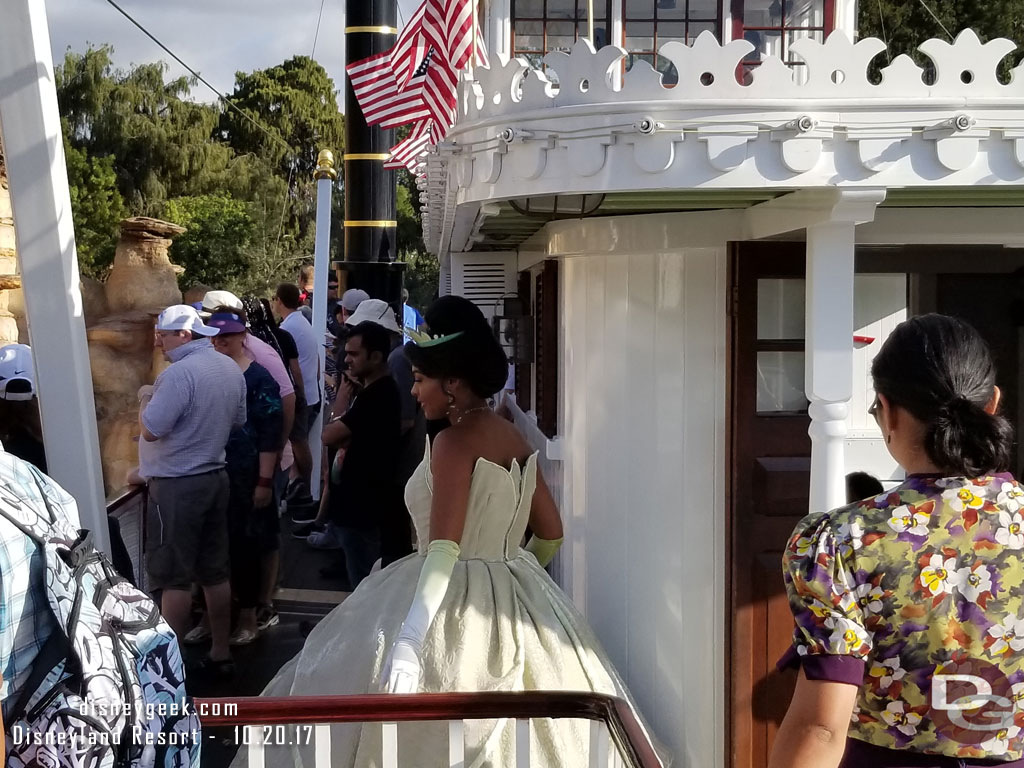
(829, 367)
(325, 176)
(499, 27)
(45, 238)
(829, 341)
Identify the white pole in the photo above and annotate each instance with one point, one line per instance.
(590, 20)
(325, 176)
(45, 238)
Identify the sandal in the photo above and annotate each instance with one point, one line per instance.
(196, 635)
(222, 669)
(242, 637)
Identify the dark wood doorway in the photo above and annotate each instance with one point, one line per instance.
(769, 476)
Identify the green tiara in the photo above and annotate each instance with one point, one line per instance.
(421, 339)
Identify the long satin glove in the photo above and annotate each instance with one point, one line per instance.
(403, 668)
(543, 549)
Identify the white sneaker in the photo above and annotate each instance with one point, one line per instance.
(325, 539)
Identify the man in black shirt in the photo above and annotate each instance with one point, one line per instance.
(370, 434)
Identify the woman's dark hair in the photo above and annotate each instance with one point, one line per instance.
(940, 370)
(475, 356)
(261, 323)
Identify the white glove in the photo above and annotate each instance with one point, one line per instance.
(404, 672)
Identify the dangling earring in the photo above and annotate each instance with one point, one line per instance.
(888, 439)
(451, 403)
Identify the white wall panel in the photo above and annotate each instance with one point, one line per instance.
(643, 393)
(880, 304)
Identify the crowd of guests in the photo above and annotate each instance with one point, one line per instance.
(897, 588)
(225, 449)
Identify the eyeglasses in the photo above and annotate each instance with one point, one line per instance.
(873, 410)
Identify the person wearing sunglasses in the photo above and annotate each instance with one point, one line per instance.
(909, 639)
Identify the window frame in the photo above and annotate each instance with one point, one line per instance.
(579, 20)
(739, 29)
(686, 20)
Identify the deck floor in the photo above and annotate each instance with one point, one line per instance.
(303, 598)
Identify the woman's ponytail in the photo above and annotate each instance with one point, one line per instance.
(940, 370)
(965, 440)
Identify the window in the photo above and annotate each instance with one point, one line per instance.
(546, 348)
(648, 24)
(774, 25)
(540, 26)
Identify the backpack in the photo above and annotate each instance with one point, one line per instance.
(107, 689)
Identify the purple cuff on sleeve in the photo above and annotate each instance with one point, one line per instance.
(836, 669)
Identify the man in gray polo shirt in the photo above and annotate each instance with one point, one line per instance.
(186, 418)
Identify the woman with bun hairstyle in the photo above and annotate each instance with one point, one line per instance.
(910, 604)
(472, 609)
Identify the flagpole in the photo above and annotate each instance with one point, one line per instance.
(472, 56)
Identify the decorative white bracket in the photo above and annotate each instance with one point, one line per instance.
(1016, 135)
(957, 142)
(879, 148)
(727, 145)
(802, 143)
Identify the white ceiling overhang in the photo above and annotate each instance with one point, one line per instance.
(584, 126)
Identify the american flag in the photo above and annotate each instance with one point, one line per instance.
(416, 91)
(379, 96)
(436, 83)
(409, 152)
(444, 25)
(417, 77)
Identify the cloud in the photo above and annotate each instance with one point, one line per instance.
(217, 38)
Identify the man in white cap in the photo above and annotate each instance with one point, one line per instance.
(186, 418)
(20, 430)
(259, 352)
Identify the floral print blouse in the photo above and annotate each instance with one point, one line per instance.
(922, 581)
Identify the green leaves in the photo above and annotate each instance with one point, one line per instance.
(139, 144)
(216, 248)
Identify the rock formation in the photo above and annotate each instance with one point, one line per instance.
(119, 317)
(9, 280)
(142, 282)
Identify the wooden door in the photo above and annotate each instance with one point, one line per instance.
(769, 476)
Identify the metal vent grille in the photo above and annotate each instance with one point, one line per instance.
(484, 278)
(484, 282)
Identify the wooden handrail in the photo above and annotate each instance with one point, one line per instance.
(122, 496)
(623, 725)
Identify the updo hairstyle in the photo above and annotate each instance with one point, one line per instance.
(940, 370)
(475, 356)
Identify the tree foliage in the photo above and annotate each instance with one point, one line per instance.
(215, 248)
(138, 144)
(905, 24)
(296, 101)
(98, 207)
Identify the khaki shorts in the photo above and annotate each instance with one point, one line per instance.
(187, 531)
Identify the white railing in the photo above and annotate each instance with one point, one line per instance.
(616, 738)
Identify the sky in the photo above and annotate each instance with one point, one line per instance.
(215, 37)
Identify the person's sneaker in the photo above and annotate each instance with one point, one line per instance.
(293, 488)
(325, 539)
(303, 514)
(303, 530)
(266, 617)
